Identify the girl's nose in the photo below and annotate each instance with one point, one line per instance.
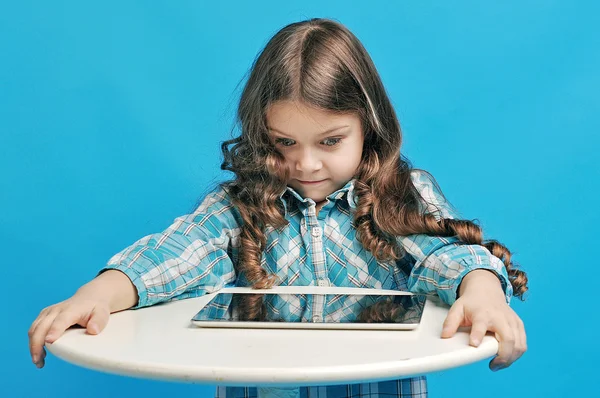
(308, 162)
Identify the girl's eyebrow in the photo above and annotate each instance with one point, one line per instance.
(323, 133)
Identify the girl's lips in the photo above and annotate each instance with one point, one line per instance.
(310, 182)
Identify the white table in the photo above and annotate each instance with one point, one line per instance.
(159, 342)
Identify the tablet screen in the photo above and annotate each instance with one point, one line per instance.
(333, 308)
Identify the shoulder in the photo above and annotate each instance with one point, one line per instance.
(216, 198)
(422, 180)
(216, 203)
(432, 197)
(425, 185)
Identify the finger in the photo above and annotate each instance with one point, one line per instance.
(520, 340)
(62, 322)
(506, 339)
(42, 360)
(98, 320)
(478, 330)
(35, 323)
(523, 334)
(37, 336)
(453, 320)
(517, 348)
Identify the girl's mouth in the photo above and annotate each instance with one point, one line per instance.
(310, 182)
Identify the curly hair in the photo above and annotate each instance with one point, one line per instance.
(319, 62)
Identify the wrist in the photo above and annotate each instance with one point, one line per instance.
(480, 279)
(112, 288)
(93, 291)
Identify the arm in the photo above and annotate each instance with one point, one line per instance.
(442, 262)
(112, 287)
(188, 259)
(467, 277)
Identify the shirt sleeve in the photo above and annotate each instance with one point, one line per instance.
(193, 256)
(442, 262)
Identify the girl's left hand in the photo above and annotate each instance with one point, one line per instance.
(482, 305)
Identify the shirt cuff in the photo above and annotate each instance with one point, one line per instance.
(497, 267)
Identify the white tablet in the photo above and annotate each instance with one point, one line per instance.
(311, 311)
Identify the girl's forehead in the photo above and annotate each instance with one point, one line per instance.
(291, 114)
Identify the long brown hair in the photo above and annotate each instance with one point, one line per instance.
(321, 63)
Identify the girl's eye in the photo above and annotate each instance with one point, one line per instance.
(285, 141)
(331, 141)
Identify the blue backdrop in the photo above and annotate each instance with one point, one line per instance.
(111, 115)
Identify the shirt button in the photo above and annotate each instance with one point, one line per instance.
(323, 282)
(316, 232)
(316, 319)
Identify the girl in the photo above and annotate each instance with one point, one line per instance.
(321, 196)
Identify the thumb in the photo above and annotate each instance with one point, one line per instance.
(98, 320)
(453, 320)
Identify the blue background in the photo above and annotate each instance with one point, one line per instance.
(111, 117)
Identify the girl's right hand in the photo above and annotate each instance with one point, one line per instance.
(81, 309)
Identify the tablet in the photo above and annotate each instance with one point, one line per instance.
(311, 311)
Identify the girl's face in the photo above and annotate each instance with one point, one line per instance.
(322, 149)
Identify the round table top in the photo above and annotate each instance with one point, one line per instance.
(160, 342)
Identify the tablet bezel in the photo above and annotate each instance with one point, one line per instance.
(309, 290)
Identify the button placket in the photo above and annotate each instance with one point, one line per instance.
(318, 262)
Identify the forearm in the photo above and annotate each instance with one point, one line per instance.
(114, 288)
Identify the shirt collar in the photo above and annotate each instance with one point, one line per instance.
(346, 191)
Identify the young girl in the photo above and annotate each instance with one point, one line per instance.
(321, 196)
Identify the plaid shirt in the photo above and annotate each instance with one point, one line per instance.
(197, 252)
